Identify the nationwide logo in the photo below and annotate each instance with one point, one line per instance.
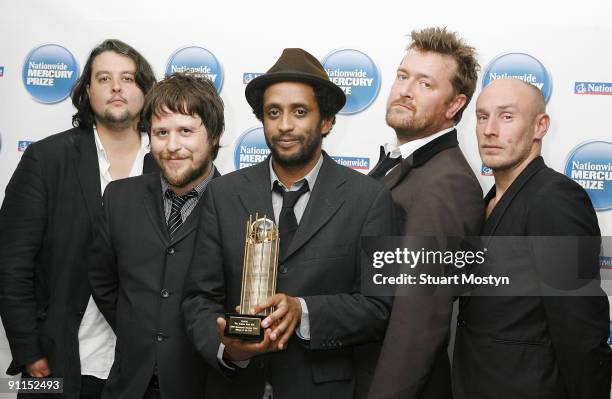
(520, 66)
(248, 76)
(357, 75)
(605, 262)
(251, 148)
(196, 60)
(590, 165)
(49, 72)
(596, 88)
(486, 171)
(22, 145)
(1, 71)
(356, 163)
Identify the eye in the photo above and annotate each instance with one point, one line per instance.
(160, 133)
(273, 113)
(185, 131)
(401, 76)
(103, 78)
(506, 117)
(481, 118)
(300, 112)
(128, 78)
(425, 84)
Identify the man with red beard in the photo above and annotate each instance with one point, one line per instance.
(146, 239)
(436, 193)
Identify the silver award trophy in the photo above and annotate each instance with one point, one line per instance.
(260, 265)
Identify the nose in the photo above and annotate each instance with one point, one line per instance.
(490, 127)
(285, 123)
(174, 142)
(406, 88)
(116, 86)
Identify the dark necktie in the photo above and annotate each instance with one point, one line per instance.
(287, 222)
(385, 164)
(175, 221)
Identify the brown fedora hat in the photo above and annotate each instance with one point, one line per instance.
(295, 64)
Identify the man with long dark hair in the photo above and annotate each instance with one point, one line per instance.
(52, 324)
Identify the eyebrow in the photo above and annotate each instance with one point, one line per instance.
(293, 105)
(108, 72)
(506, 107)
(420, 75)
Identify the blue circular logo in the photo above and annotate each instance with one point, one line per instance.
(521, 66)
(251, 148)
(357, 75)
(49, 73)
(590, 165)
(196, 60)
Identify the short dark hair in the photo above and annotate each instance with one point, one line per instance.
(187, 94)
(145, 79)
(441, 41)
(326, 99)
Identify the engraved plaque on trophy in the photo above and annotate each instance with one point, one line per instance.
(259, 270)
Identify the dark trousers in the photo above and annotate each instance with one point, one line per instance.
(91, 388)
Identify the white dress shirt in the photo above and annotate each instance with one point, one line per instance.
(96, 338)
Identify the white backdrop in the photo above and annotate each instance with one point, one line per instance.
(571, 41)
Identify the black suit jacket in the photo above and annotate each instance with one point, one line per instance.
(536, 346)
(137, 274)
(322, 266)
(51, 203)
(437, 194)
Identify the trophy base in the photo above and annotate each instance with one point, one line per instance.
(246, 327)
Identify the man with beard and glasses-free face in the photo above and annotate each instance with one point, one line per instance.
(534, 345)
(436, 194)
(147, 238)
(322, 209)
(52, 324)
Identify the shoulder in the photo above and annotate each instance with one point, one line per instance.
(131, 185)
(62, 141)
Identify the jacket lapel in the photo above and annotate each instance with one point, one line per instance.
(149, 165)
(325, 200)
(420, 157)
(256, 194)
(498, 212)
(154, 206)
(88, 170)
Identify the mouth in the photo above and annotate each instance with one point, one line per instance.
(286, 141)
(117, 101)
(404, 106)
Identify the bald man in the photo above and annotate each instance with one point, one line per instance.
(530, 346)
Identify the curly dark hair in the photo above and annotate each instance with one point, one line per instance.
(145, 78)
(326, 99)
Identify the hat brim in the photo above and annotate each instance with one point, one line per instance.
(256, 86)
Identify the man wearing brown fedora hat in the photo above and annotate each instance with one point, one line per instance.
(313, 339)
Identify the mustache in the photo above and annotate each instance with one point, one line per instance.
(408, 104)
(115, 98)
(287, 137)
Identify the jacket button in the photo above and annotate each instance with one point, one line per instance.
(165, 293)
(171, 251)
(159, 337)
(283, 269)
(461, 323)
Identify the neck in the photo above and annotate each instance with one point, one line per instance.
(289, 174)
(118, 139)
(404, 136)
(505, 177)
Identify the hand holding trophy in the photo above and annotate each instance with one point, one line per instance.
(260, 265)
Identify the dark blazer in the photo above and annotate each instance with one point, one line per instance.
(137, 276)
(322, 266)
(436, 194)
(46, 221)
(536, 346)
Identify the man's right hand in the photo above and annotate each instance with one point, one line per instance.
(39, 368)
(237, 350)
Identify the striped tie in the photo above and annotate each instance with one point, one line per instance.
(175, 221)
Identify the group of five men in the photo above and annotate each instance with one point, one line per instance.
(122, 290)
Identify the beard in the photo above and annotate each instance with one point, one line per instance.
(408, 124)
(116, 119)
(182, 179)
(305, 153)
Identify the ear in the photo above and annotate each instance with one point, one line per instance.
(541, 125)
(455, 105)
(87, 90)
(327, 124)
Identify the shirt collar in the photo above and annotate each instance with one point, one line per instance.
(407, 149)
(144, 145)
(311, 177)
(199, 188)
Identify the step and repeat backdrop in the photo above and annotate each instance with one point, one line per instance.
(564, 52)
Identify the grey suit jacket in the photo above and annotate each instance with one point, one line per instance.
(322, 266)
(436, 194)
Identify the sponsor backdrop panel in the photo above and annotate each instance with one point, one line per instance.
(45, 45)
